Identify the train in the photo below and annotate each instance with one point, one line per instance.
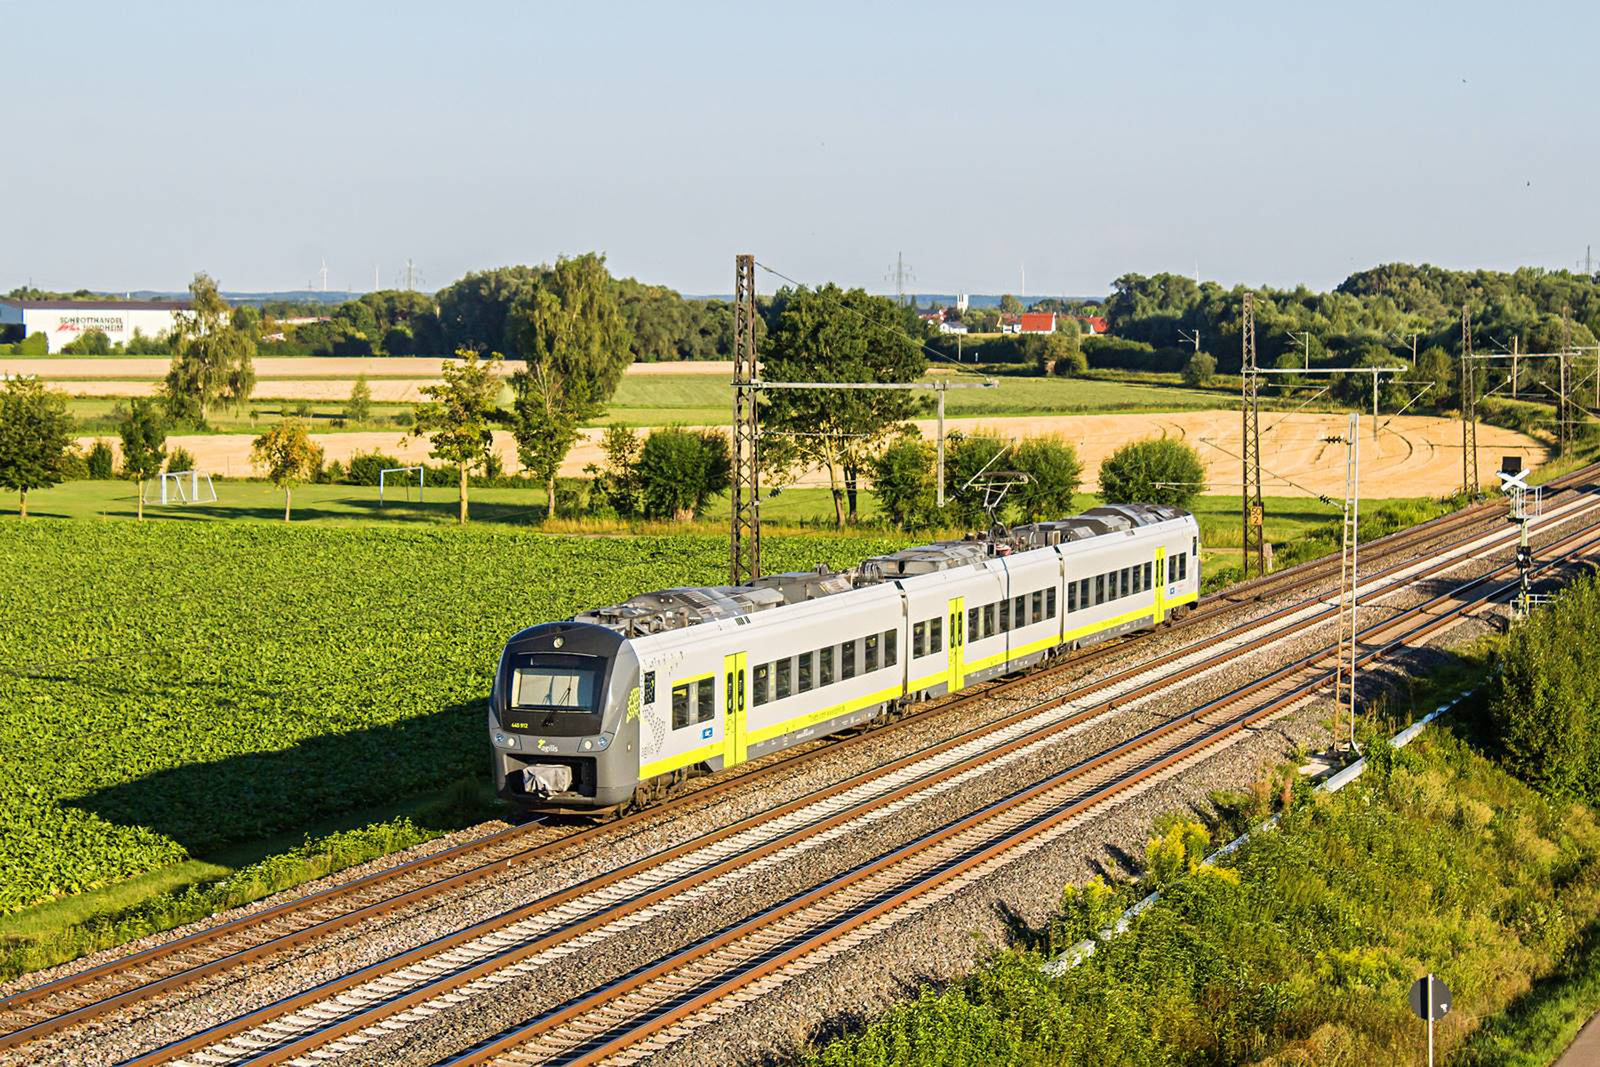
(612, 708)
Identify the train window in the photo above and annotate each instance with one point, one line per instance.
(1127, 580)
(1147, 572)
(805, 672)
(825, 666)
(1038, 605)
(1195, 545)
(847, 660)
(871, 652)
(1183, 565)
(680, 706)
(935, 635)
(891, 648)
(1005, 615)
(705, 700)
(988, 620)
(1083, 593)
(1072, 597)
(1099, 589)
(1019, 611)
(973, 632)
(780, 679)
(1050, 603)
(919, 640)
(1138, 578)
(759, 682)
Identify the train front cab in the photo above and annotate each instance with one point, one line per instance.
(563, 718)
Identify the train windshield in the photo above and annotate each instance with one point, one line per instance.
(557, 683)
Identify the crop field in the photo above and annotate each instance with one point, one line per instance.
(174, 687)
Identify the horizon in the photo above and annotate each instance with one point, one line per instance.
(1254, 145)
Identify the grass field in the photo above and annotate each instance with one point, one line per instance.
(176, 688)
(98, 415)
(1289, 519)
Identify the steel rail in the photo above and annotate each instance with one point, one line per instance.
(71, 987)
(593, 1046)
(357, 1020)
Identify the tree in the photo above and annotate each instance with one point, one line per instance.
(100, 462)
(144, 443)
(1010, 305)
(458, 415)
(1053, 474)
(359, 407)
(288, 456)
(1155, 471)
(835, 335)
(213, 358)
(1435, 365)
(616, 484)
(680, 470)
(1200, 369)
(1055, 353)
(903, 481)
(35, 434)
(571, 335)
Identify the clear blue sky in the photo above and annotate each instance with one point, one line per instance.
(1265, 142)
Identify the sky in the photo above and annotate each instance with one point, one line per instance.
(1036, 148)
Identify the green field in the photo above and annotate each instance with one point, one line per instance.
(176, 688)
(702, 399)
(98, 415)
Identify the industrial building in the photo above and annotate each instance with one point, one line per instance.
(63, 321)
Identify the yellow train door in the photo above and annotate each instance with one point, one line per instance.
(736, 704)
(958, 642)
(1161, 584)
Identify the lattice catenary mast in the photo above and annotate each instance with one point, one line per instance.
(1469, 410)
(1250, 389)
(745, 545)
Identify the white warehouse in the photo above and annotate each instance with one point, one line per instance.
(63, 321)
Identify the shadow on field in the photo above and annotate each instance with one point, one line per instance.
(320, 785)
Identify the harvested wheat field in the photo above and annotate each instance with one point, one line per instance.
(1413, 455)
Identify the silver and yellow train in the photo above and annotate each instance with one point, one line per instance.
(614, 706)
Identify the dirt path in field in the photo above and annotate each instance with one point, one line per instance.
(1413, 455)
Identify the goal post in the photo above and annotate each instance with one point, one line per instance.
(383, 477)
(186, 487)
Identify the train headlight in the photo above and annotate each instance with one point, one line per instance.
(505, 740)
(601, 742)
(588, 745)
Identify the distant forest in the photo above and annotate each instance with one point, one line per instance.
(1375, 315)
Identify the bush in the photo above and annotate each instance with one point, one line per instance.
(903, 481)
(1120, 354)
(100, 462)
(1054, 353)
(964, 457)
(365, 467)
(680, 470)
(88, 343)
(1544, 704)
(1157, 471)
(180, 459)
(1053, 474)
(1200, 369)
(35, 344)
(74, 466)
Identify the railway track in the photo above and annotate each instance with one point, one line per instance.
(407, 988)
(51, 1008)
(657, 1005)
